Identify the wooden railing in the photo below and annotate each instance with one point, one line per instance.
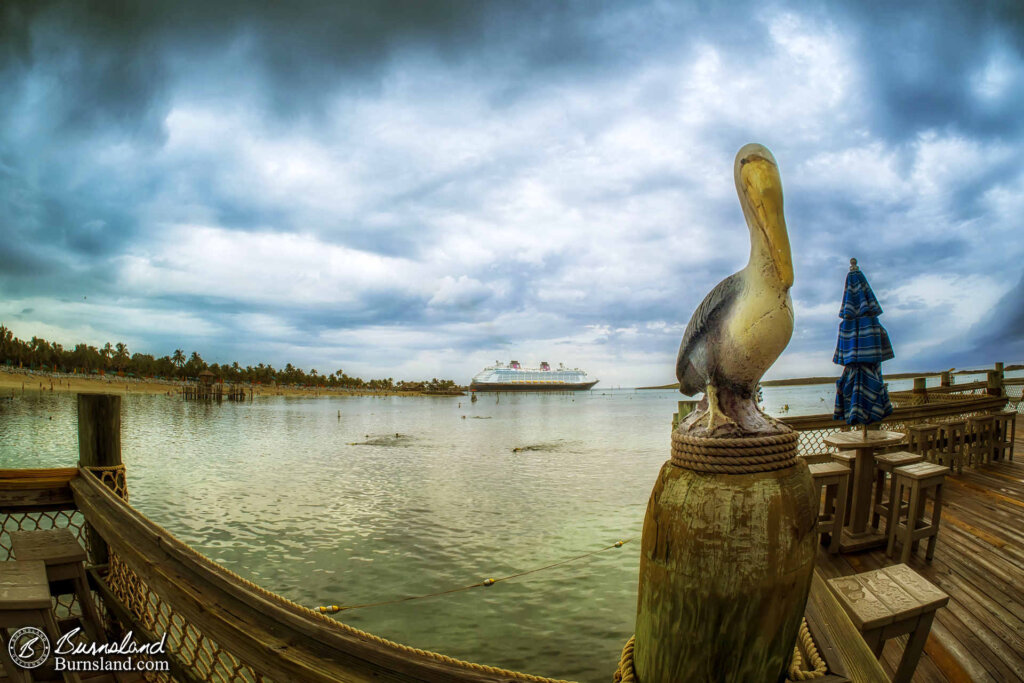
(814, 428)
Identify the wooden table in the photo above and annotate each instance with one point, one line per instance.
(858, 535)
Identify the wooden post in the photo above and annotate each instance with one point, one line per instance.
(999, 369)
(995, 383)
(920, 386)
(685, 408)
(945, 379)
(99, 445)
(726, 562)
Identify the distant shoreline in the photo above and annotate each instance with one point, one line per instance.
(799, 381)
(112, 384)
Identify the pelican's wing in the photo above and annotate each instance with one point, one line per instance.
(691, 378)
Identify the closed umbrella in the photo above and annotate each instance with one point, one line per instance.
(861, 395)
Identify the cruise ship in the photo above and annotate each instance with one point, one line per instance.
(514, 377)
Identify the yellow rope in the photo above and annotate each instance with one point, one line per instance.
(625, 673)
(334, 609)
(740, 455)
(796, 667)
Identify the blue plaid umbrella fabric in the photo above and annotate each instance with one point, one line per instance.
(861, 396)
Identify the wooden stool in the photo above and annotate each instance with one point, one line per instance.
(25, 601)
(848, 458)
(954, 444)
(889, 602)
(923, 438)
(835, 479)
(979, 439)
(65, 570)
(920, 479)
(884, 465)
(1005, 433)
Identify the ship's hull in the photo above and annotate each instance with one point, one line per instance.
(524, 386)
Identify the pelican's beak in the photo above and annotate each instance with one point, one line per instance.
(759, 178)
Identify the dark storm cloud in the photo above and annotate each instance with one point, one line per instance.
(922, 59)
(472, 173)
(1001, 333)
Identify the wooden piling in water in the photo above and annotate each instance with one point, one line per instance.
(945, 379)
(99, 445)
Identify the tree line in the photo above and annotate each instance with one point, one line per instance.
(40, 354)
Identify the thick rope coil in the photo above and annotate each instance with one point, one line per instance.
(796, 668)
(625, 673)
(734, 455)
(114, 476)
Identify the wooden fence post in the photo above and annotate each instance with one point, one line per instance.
(995, 383)
(685, 408)
(920, 389)
(945, 379)
(99, 445)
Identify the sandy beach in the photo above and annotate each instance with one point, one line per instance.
(13, 382)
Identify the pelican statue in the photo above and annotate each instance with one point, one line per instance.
(746, 321)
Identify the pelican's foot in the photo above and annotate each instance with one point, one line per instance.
(718, 421)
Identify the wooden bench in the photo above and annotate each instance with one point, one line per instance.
(849, 459)
(923, 439)
(890, 602)
(1006, 432)
(920, 480)
(885, 463)
(980, 432)
(834, 479)
(25, 601)
(953, 435)
(64, 559)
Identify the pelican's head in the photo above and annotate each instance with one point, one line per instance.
(760, 190)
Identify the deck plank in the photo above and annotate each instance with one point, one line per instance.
(979, 562)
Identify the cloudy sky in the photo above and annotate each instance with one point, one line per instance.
(414, 189)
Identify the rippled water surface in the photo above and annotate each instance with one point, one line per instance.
(404, 496)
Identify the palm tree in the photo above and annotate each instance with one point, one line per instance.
(107, 352)
(121, 357)
(195, 364)
(178, 359)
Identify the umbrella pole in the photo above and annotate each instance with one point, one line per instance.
(864, 427)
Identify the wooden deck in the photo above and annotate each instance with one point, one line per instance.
(979, 562)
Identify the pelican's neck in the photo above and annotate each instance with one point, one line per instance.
(770, 262)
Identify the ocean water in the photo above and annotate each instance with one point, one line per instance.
(351, 500)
